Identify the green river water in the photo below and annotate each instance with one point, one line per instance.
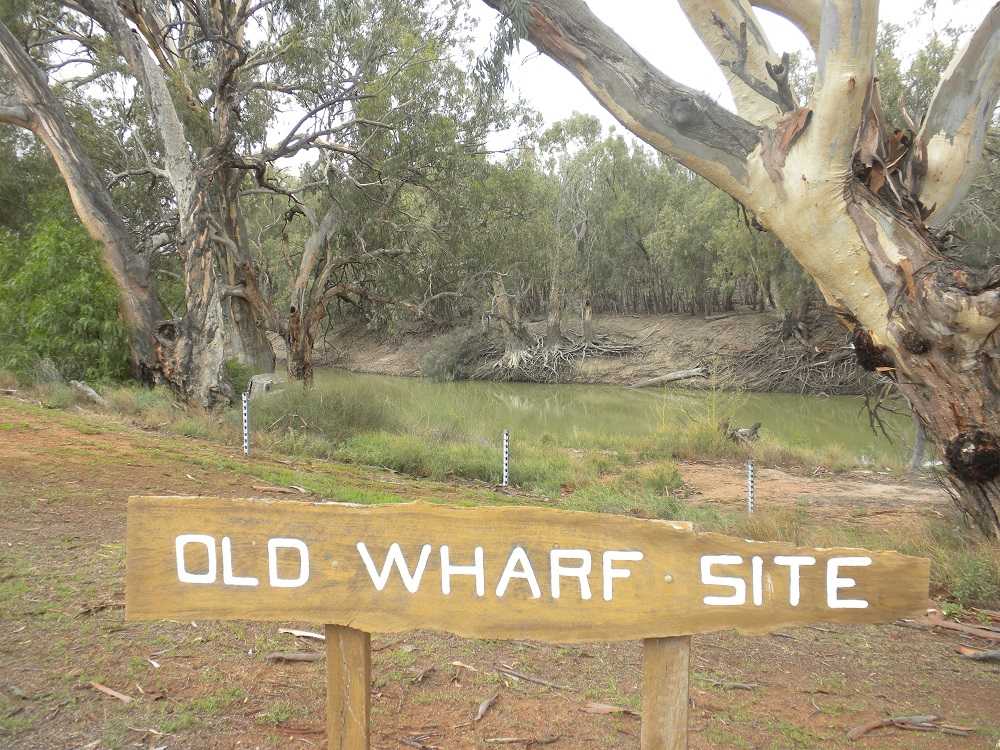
(588, 416)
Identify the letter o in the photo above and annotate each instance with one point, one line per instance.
(182, 572)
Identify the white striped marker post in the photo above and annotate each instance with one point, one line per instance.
(506, 458)
(246, 425)
(751, 485)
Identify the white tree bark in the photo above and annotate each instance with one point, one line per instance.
(954, 130)
(805, 14)
(734, 36)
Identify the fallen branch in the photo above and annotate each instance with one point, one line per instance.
(294, 656)
(113, 693)
(977, 654)
(505, 670)
(697, 372)
(485, 706)
(913, 723)
(89, 393)
(935, 620)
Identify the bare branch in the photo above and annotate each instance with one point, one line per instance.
(673, 118)
(953, 135)
(735, 38)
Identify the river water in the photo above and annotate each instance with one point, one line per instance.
(591, 415)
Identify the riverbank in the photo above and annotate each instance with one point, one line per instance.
(742, 351)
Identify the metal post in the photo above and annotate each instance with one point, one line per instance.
(751, 485)
(246, 425)
(506, 458)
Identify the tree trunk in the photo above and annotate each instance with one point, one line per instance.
(588, 323)
(300, 349)
(217, 326)
(516, 338)
(553, 322)
(919, 444)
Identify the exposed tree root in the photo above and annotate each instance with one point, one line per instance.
(540, 363)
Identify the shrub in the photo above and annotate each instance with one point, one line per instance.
(58, 302)
(237, 375)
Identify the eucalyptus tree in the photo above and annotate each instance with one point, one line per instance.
(858, 211)
(218, 94)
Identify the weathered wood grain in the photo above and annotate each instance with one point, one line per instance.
(662, 595)
(665, 693)
(348, 688)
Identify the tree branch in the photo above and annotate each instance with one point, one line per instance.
(805, 14)
(953, 135)
(671, 117)
(845, 70)
(735, 38)
(177, 157)
(15, 112)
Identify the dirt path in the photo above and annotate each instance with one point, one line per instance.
(64, 479)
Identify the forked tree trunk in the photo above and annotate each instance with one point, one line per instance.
(588, 323)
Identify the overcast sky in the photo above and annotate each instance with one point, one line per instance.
(659, 31)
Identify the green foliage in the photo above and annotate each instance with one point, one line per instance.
(237, 375)
(57, 302)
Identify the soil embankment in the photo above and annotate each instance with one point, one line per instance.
(745, 350)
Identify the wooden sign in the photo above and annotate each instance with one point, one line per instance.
(494, 572)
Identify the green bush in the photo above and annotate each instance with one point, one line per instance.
(57, 302)
(237, 375)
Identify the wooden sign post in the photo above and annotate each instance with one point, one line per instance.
(492, 572)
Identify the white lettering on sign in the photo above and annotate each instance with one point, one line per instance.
(611, 572)
(395, 558)
(756, 580)
(518, 557)
(738, 585)
(227, 567)
(477, 569)
(580, 572)
(273, 545)
(834, 583)
(563, 564)
(794, 563)
(182, 541)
